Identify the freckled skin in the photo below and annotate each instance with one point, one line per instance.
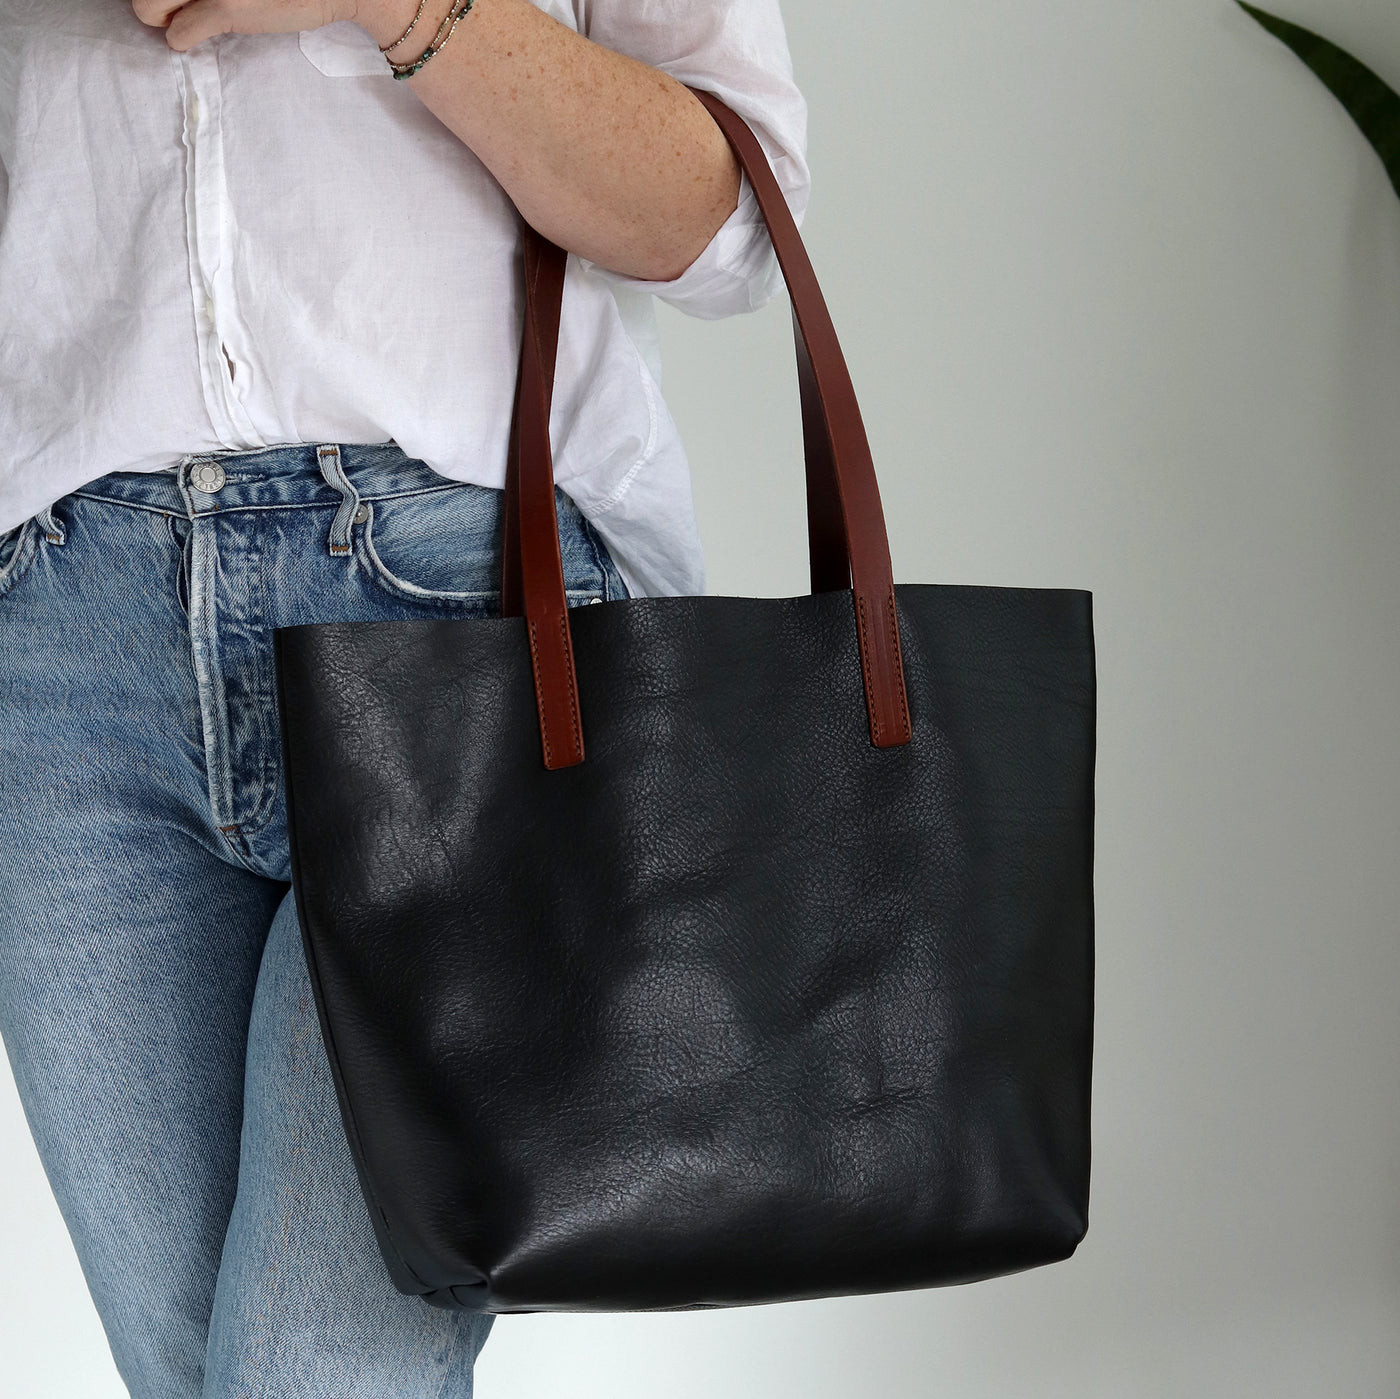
(605, 155)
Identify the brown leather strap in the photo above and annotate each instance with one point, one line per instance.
(848, 545)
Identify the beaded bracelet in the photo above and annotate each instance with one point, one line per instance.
(407, 70)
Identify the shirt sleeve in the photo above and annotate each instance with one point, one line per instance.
(738, 50)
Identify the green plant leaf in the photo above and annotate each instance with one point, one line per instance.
(1373, 105)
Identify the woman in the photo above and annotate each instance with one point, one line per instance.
(260, 309)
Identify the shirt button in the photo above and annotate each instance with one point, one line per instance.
(208, 477)
(194, 110)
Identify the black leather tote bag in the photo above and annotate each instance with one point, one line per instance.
(694, 952)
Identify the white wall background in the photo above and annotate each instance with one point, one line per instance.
(1119, 286)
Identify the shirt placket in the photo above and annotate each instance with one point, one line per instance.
(208, 218)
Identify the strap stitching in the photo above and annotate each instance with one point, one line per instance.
(898, 665)
(865, 670)
(539, 694)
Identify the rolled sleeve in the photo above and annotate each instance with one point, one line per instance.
(738, 50)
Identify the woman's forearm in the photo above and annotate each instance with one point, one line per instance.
(606, 156)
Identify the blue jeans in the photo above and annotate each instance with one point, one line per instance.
(154, 999)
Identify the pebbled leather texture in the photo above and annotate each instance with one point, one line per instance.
(685, 952)
(743, 1008)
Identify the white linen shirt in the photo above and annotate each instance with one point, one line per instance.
(269, 240)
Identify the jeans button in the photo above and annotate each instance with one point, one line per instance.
(208, 477)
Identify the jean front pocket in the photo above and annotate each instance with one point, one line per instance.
(442, 548)
(18, 546)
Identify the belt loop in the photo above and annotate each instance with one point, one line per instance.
(53, 526)
(182, 481)
(328, 456)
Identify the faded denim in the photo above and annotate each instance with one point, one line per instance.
(154, 999)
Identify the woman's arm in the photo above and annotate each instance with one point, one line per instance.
(606, 156)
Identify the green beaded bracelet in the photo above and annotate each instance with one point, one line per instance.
(408, 70)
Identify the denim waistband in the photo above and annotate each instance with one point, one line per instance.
(297, 473)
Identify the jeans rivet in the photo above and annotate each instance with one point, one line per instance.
(208, 477)
(362, 514)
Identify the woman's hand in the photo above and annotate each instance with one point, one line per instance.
(192, 23)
